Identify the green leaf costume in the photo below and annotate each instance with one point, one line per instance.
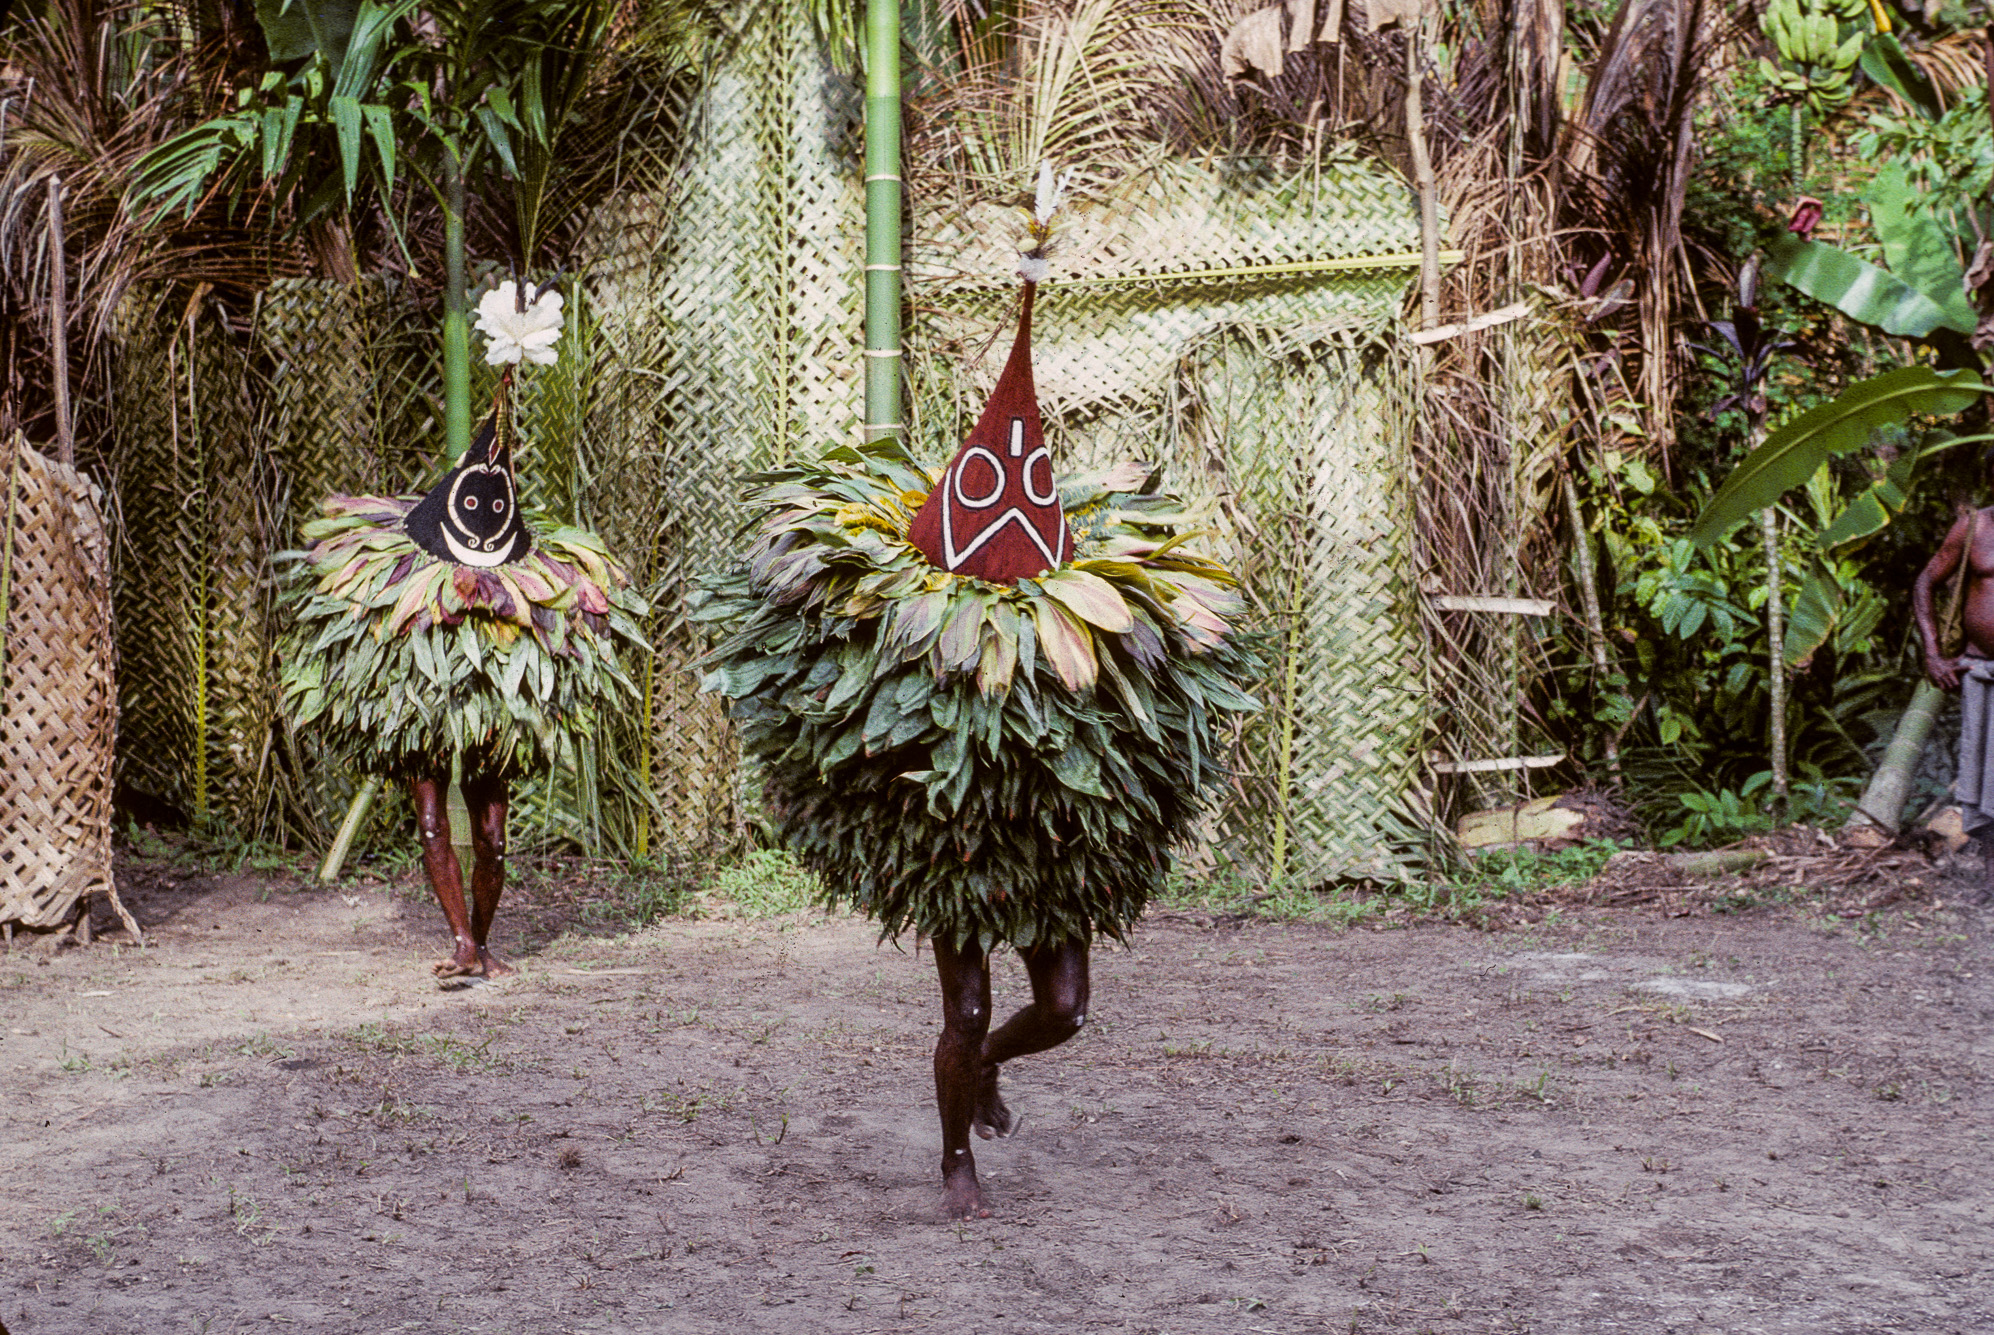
(400, 659)
(980, 762)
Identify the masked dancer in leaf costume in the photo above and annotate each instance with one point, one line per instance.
(444, 626)
(986, 703)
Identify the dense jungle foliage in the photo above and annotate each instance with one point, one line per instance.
(1691, 698)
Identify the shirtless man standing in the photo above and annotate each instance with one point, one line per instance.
(1971, 539)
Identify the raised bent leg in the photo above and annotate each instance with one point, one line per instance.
(439, 859)
(965, 979)
(1056, 1012)
(487, 800)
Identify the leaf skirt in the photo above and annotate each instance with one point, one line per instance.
(401, 661)
(979, 762)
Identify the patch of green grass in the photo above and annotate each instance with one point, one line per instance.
(461, 1056)
(1232, 890)
(213, 849)
(641, 892)
(1223, 888)
(1505, 872)
(1747, 898)
(376, 1037)
(768, 883)
(654, 890)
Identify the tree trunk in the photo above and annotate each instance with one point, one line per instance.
(58, 327)
(1588, 581)
(456, 324)
(1776, 636)
(1422, 175)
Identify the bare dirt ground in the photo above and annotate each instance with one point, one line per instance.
(1608, 1120)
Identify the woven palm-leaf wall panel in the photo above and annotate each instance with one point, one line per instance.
(728, 304)
(191, 584)
(347, 378)
(1275, 406)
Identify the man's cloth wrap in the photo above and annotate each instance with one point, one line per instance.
(400, 660)
(978, 762)
(1973, 785)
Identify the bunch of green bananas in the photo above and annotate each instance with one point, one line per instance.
(1808, 35)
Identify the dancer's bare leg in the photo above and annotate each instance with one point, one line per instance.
(487, 800)
(1056, 1012)
(965, 979)
(446, 878)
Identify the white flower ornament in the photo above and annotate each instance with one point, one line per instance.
(517, 335)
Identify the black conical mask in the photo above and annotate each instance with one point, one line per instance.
(471, 517)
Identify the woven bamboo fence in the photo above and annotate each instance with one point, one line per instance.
(719, 306)
(58, 709)
(198, 499)
(1272, 394)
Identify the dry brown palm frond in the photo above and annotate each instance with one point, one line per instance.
(89, 88)
(1080, 85)
(1628, 157)
(1955, 62)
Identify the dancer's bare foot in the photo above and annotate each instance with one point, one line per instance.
(494, 967)
(465, 963)
(991, 1120)
(962, 1196)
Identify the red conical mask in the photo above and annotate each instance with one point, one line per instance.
(995, 514)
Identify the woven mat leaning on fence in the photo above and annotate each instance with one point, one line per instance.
(986, 703)
(444, 632)
(58, 701)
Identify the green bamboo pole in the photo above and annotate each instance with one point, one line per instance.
(1889, 788)
(456, 439)
(882, 220)
(459, 812)
(349, 829)
(456, 323)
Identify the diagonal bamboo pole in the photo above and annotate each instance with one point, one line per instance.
(58, 320)
(882, 220)
(1422, 174)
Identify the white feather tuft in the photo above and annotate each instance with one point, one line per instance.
(1033, 268)
(1051, 193)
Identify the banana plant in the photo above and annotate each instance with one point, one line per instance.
(364, 94)
(1790, 455)
(1819, 61)
(1796, 449)
(1920, 294)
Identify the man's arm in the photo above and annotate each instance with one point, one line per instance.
(1943, 672)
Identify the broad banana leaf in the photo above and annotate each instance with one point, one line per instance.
(1858, 289)
(293, 29)
(1883, 60)
(1917, 248)
(1790, 455)
(1871, 512)
(1814, 613)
